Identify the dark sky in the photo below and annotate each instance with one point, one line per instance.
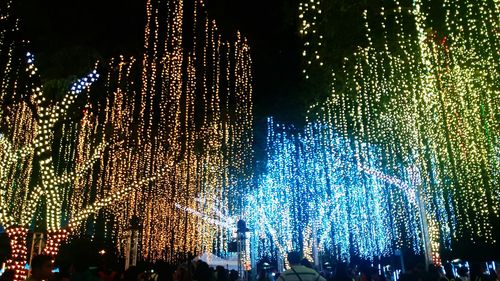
(68, 36)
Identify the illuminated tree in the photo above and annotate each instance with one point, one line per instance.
(317, 194)
(28, 175)
(56, 176)
(189, 120)
(196, 106)
(405, 147)
(425, 95)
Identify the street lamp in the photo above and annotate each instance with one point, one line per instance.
(132, 242)
(241, 237)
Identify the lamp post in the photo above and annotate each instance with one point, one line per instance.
(37, 242)
(425, 230)
(315, 249)
(242, 248)
(132, 242)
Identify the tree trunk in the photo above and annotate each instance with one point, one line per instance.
(54, 241)
(17, 262)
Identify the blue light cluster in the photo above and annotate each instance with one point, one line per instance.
(77, 87)
(82, 84)
(30, 58)
(321, 190)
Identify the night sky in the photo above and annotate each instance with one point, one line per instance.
(68, 36)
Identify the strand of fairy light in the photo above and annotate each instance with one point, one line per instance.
(37, 134)
(417, 96)
(364, 203)
(174, 78)
(88, 130)
(309, 12)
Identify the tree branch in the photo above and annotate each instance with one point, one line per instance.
(70, 177)
(107, 201)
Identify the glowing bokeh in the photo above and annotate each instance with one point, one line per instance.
(410, 132)
(426, 98)
(319, 192)
(195, 114)
(54, 158)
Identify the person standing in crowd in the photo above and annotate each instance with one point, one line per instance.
(263, 275)
(182, 274)
(342, 273)
(478, 272)
(221, 274)
(41, 268)
(298, 272)
(463, 274)
(202, 272)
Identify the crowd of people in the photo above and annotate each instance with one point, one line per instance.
(42, 269)
(302, 270)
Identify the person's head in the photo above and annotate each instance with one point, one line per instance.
(233, 275)
(463, 271)
(41, 267)
(222, 273)
(202, 271)
(294, 258)
(449, 271)
(182, 274)
(305, 262)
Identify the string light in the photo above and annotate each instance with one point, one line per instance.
(194, 116)
(17, 236)
(426, 98)
(54, 242)
(64, 183)
(318, 193)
